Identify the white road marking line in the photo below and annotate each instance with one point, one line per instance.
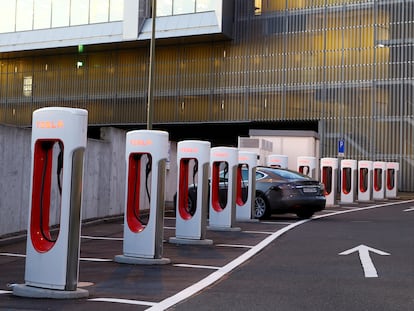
(5, 292)
(96, 259)
(278, 222)
(183, 265)
(124, 301)
(12, 255)
(409, 209)
(234, 245)
(259, 232)
(82, 259)
(223, 271)
(169, 228)
(100, 238)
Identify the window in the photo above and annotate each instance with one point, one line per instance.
(42, 14)
(184, 7)
(99, 10)
(27, 86)
(24, 15)
(7, 15)
(60, 13)
(79, 12)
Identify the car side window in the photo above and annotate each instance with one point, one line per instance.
(259, 175)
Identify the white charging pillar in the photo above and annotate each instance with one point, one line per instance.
(222, 211)
(378, 180)
(391, 189)
(329, 177)
(59, 138)
(348, 180)
(277, 160)
(246, 188)
(307, 166)
(365, 181)
(146, 153)
(193, 161)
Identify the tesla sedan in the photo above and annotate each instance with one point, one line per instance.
(280, 191)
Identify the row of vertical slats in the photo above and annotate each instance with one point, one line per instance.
(347, 64)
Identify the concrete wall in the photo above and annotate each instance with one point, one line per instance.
(103, 183)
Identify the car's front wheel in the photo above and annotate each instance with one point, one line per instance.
(261, 207)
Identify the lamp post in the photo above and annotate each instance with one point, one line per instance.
(151, 68)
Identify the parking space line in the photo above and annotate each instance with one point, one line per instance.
(82, 259)
(277, 222)
(169, 228)
(96, 259)
(183, 265)
(12, 255)
(259, 232)
(124, 301)
(234, 245)
(5, 292)
(101, 238)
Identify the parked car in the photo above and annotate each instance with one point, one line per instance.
(278, 191)
(282, 191)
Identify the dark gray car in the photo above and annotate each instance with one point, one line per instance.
(280, 191)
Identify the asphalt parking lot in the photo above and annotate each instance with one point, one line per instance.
(140, 287)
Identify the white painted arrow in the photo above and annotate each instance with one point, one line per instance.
(367, 264)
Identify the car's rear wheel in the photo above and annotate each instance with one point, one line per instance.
(261, 207)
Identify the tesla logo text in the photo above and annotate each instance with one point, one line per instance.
(189, 150)
(49, 124)
(141, 142)
(221, 154)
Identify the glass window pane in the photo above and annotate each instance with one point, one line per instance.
(60, 13)
(164, 7)
(79, 12)
(99, 11)
(7, 14)
(42, 14)
(183, 7)
(116, 12)
(205, 5)
(24, 15)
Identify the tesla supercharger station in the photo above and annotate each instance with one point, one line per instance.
(391, 188)
(58, 144)
(146, 153)
(349, 170)
(365, 181)
(246, 189)
(277, 160)
(329, 177)
(307, 166)
(378, 180)
(222, 210)
(193, 161)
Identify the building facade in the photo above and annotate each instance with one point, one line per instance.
(343, 68)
